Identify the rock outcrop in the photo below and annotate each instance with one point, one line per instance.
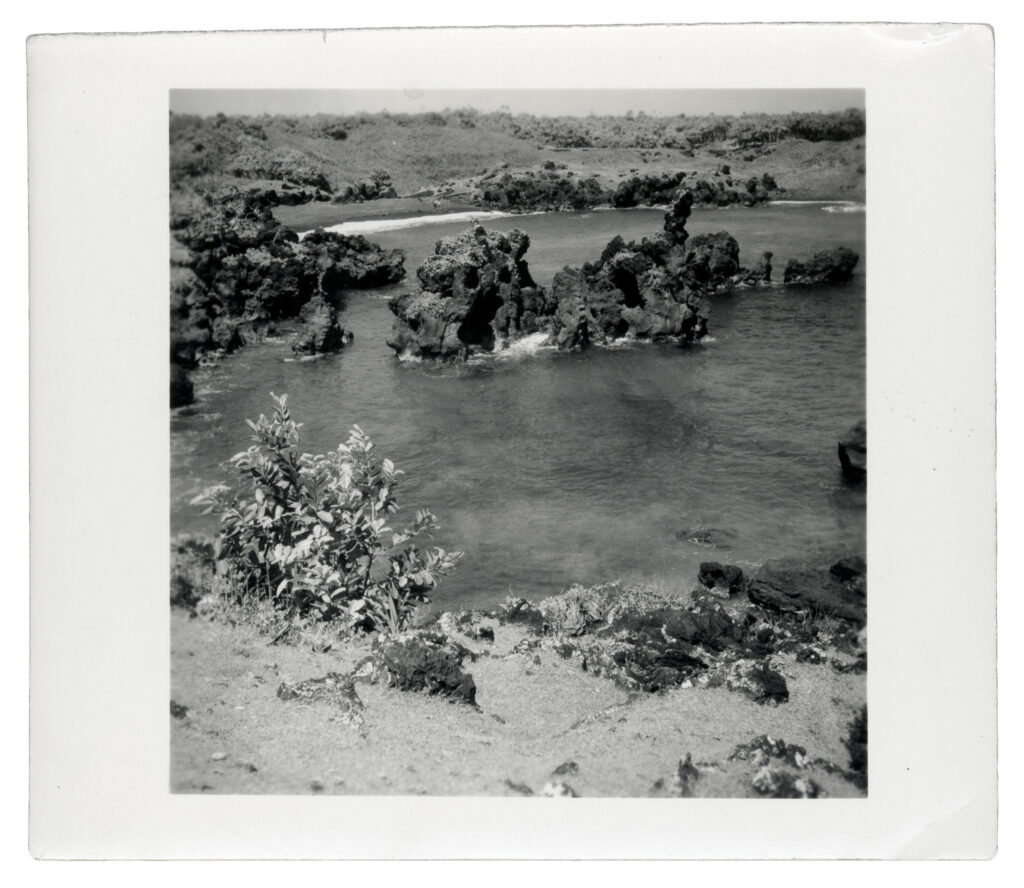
(321, 333)
(477, 293)
(236, 269)
(657, 289)
(853, 452)
(789, 586)
(827, 267)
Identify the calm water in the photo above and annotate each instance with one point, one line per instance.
(549, 468)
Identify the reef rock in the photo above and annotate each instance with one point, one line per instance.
(477, 294)
(827, 267)
(853, 452)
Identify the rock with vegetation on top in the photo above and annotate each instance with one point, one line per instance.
(235, 268)
(853, 452)
(420, 661)
(827, 267)
(321, 333)
(477, 295)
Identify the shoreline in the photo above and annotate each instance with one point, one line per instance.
(542, 721)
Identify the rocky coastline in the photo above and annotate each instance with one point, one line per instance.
(236, 272)
(477, 295)
(767, 642)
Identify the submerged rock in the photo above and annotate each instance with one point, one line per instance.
(853, 452)
(827, 267)
(420, 662)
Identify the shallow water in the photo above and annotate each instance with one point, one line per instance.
(551, 468)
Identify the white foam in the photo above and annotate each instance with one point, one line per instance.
(528, 345)
(798, 203)
(845, 207)
(373, 226)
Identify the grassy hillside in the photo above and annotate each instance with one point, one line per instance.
(353, 157)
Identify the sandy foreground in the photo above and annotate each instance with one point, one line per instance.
(541, 720)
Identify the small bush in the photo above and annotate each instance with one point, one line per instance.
(310, 533)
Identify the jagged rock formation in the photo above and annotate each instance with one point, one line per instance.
(235, 270)
(827, 267)
(655, 289)
(476, 293)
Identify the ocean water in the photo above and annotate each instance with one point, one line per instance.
(548, 469)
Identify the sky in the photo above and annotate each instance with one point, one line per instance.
(654, 102)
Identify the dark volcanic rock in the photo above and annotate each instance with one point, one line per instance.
(235, 267)
(322, 333)
(763, 748)
(477, 294)
(519, 611)
(420, 662)
(182, 392)
(790, 586)
(827, 267)
(853, 452)
(714, 575)
(655, 289)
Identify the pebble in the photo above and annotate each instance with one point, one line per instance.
(218, 756)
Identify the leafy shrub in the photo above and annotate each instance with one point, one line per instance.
(310, 534)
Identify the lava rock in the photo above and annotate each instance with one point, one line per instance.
(322, 334)
(827, 267)
(420, 662)
(569, 768)
(856, 743)
(792, 586)
(714, 575)
(178, 711)
(520, 612)
(853, 452)
(476, 295)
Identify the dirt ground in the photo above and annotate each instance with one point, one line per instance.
(537, 714)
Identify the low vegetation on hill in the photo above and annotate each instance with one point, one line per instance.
(366, 156)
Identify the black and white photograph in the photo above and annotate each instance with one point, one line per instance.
(518, 442)
(492, 407)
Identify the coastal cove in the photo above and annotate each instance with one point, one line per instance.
(548, 468)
